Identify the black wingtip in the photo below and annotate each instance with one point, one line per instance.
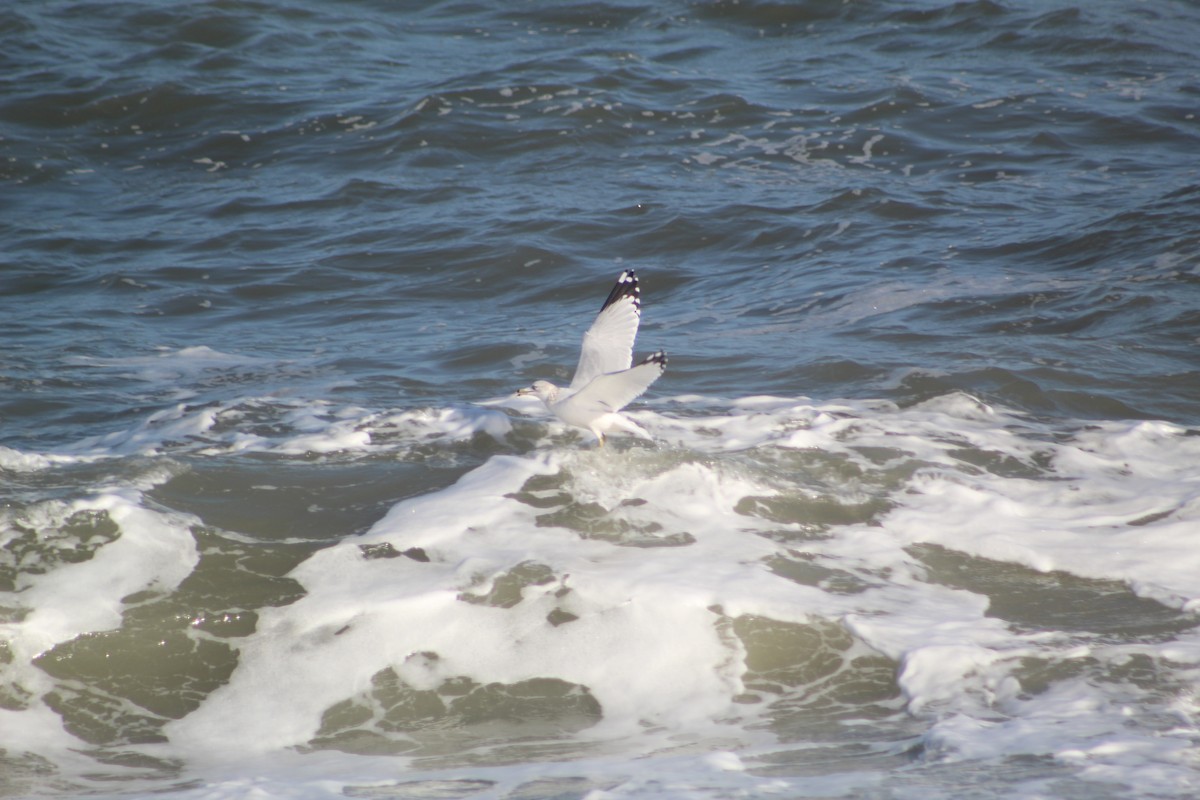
(659, 358)
(626, 286)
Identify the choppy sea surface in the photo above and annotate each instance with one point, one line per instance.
(920, 512)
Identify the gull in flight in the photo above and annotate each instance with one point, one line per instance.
(604, 381)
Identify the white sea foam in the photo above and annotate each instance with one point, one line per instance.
(621, 571)
(17, 461)
(280, 425)
(1125, 509)
(627, 603)
(151, 551)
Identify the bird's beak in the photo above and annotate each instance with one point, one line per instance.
(525, 391)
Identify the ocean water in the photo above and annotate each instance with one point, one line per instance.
(920, 512)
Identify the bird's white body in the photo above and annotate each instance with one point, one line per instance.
(605, 382)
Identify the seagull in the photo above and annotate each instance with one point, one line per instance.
(604, 381)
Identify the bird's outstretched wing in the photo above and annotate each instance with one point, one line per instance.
(614, 390)
(608, 344)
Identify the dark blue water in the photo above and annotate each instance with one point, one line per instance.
(225, 226)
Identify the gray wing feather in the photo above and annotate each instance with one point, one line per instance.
(615, 390)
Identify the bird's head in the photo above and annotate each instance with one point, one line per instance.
(542, 390)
